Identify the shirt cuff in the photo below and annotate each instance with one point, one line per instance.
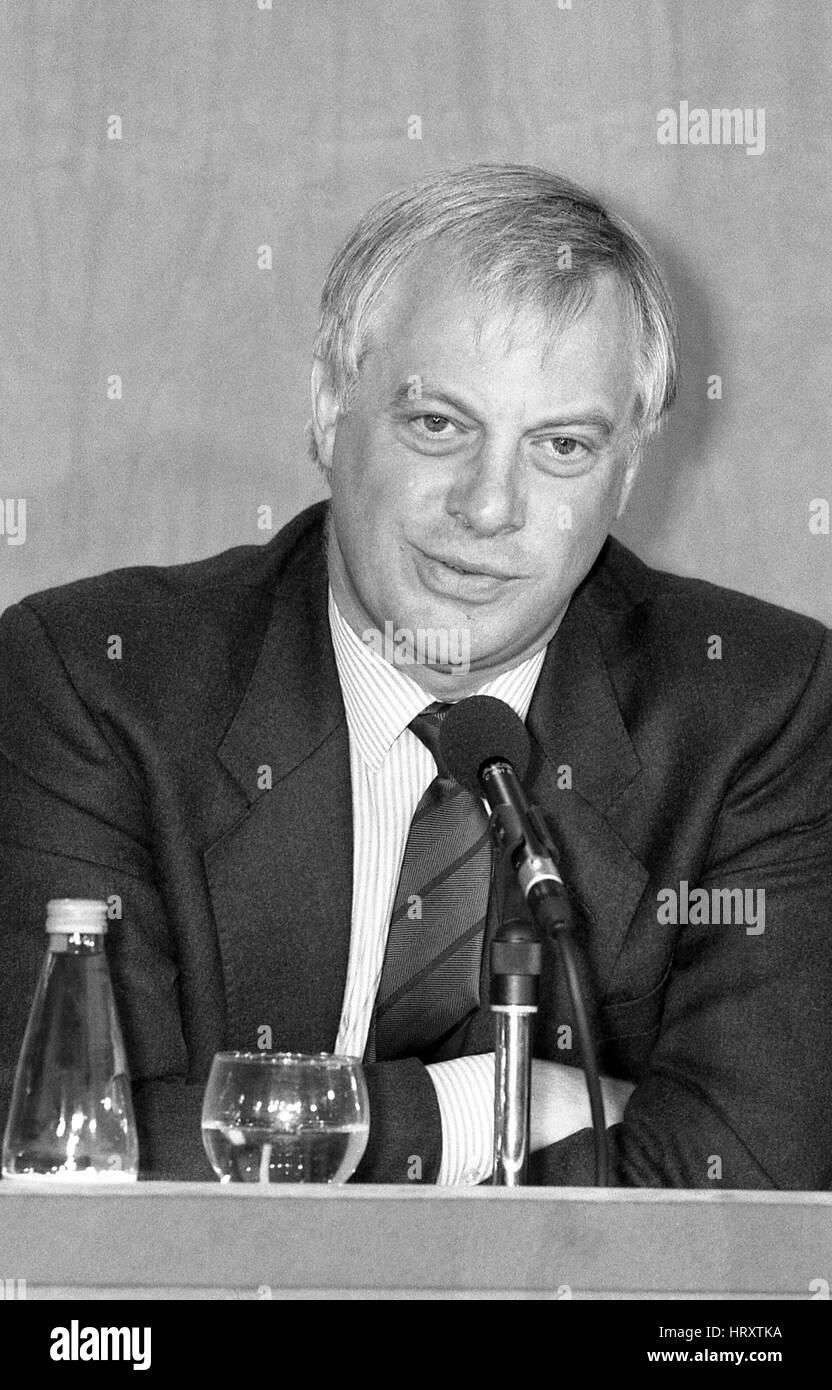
(465, 1091)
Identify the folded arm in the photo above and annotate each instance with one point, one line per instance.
(734, 1093)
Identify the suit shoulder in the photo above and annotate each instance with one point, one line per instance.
(156, 589)
(679, 603)
(742, 650)
(150, 638)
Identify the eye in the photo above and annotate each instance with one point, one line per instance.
(564, 446)
(433, 424)
(564, 455)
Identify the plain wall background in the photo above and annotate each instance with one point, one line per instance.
(244, 127)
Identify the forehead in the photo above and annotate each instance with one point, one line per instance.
(430, 322)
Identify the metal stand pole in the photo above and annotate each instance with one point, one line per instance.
(516, 958)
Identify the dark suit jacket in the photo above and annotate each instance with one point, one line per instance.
(142, 776)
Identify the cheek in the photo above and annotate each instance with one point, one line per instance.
(371, 466)
(569, 531)
(370, 512)
(592, 505)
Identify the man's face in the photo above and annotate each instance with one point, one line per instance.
(478, 469)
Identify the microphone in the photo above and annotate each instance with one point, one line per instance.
(486, 747)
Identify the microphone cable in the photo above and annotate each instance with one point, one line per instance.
(557, 923)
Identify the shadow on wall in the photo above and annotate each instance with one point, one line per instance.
(683, 444)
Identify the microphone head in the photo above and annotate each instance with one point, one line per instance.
(478, 730)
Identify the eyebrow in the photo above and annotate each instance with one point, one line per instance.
(594, 416)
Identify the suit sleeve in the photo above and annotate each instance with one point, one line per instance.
(736, 1092)
(73, 824)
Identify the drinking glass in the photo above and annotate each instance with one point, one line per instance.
(285, 1117)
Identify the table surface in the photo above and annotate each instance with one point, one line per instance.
(203, 1240)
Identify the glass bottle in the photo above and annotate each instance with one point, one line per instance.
(71, 1115)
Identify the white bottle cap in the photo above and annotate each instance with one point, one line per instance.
(87, 915)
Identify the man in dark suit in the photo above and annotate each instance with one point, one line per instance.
(494, 349)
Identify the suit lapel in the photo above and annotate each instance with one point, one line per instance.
(584, 775)
(280, 871)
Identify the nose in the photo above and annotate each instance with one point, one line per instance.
(488, 494)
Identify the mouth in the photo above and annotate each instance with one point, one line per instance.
(461, 578)
(463, 567)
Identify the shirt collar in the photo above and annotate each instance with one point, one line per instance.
(380, 700)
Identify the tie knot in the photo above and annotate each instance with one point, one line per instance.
(427, 727)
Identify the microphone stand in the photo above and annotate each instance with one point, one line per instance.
(530, 912)
(516, 959)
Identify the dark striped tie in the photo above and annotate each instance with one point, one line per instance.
(431, 972)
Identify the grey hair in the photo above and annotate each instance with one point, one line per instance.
(525, 238)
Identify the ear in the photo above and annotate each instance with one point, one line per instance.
(325, 412)
(629, 478)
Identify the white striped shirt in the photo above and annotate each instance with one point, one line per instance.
(390, 770)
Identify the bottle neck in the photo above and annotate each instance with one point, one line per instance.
(76, 943)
